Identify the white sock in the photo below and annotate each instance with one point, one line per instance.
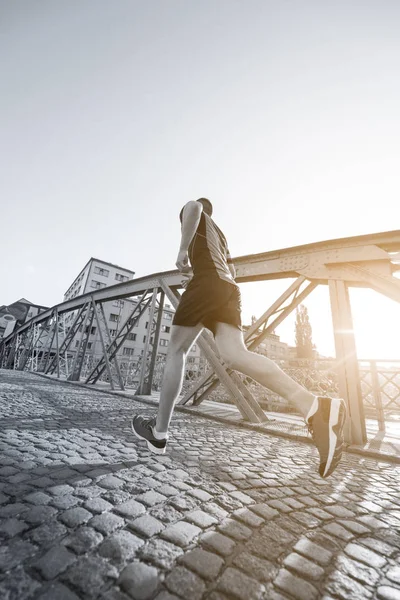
(313, 409)
(159, 435)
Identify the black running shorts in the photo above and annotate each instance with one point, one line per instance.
(209, 300)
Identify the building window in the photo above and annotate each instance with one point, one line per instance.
(165, 328)
(118, 303)
(147, 324)
(76, 343)
(100, 271)
(89, 345)
(128, 351)
(131, 337)
(191, 359)
(114, 317)
(163, 342)
(112, 332)
(194, 348)
(120, 277)
(97, 284)
(144, 339)
(168, 316)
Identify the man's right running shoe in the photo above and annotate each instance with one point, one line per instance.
(143, 429)
(325, 422)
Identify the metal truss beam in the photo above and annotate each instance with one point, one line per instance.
(314, 265)
(58, 344)
(66, 343)
(309, 260)
(147, 365)
(32, 358)
(50, 338)
(386, 284)
(147, 388)
(8, 352)
(3, 350)
(144, 387)
(347, 363)
(28, 348)
(106, 342)
(19, 348)
(83, 342)
(120, 338)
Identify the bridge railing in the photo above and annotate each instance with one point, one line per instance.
(379, 379)
(380, 382)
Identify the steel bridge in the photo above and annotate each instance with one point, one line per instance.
(47, 344)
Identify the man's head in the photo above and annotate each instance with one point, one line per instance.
(207, 206)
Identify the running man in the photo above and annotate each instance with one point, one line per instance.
(212, 300)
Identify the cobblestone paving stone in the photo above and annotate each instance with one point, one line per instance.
(87, 512)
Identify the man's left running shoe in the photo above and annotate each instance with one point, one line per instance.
(144, 429)
(325, 422)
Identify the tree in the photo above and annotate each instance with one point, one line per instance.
(304, 343)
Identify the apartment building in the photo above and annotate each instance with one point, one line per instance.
(97, 274)
(17, 314)
(272, 346)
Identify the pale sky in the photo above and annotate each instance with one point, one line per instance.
(114, 114)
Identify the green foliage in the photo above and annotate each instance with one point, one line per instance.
(303, 331)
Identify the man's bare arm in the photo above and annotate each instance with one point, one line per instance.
(190, 221)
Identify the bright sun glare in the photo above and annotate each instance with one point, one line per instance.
(376, 319)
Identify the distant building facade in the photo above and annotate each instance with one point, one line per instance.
(98, 274)
(271, 346)
(17, 313)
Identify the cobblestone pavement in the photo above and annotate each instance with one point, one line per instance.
(87, 512)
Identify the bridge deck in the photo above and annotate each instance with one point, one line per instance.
(228, 512)
(380, 445)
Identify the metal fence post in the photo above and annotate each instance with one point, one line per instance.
(348, 372)
(143, 369)
(376, 389)
(148, 383)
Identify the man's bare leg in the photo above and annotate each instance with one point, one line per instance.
(230, 344)
(182, 339)
(325, 416)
